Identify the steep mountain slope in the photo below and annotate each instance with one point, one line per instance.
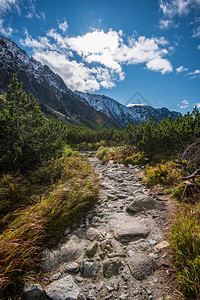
(44, 84)
(122, 114)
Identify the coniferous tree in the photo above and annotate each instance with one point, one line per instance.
(27, 137)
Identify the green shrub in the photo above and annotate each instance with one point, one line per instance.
(164, 173)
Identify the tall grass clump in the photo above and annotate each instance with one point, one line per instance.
(185, 246)
(73, 189)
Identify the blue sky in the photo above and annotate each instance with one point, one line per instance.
(114, 47)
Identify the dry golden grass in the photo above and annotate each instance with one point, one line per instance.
(74, 190)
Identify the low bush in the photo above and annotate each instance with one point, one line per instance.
(122, 154)
(164, 173)
(105, 153)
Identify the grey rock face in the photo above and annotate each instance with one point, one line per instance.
(92, 249)
(111, 267)
(124, 115)
(44, 84)
(69, 251)
(93, 234)
(63, 289)
(141, 203)
(32, 291)
(90, 267)
(141, 265)
(72, 268)
(127, 228)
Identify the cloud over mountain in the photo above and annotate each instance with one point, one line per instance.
(93, 60)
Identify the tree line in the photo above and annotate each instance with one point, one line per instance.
(29, 138)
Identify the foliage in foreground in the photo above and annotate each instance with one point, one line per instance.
(168, 173)
(185, 246)
(74, 189)
(27, 138)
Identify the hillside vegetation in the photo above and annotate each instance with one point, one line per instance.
(44, 187)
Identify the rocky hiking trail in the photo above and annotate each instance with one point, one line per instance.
(119, 252)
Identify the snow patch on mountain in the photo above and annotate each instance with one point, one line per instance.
(132, 113)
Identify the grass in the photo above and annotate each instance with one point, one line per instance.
(185, 246)
(122, 154)
(71, 188)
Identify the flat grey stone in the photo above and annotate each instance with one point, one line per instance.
(141, 266)
(141, 245)
(93, 234)
(63, 289)
(72, 268)
(92, 249)
(32, 291)
(121, 196)
(141, 203)
(90, 267)
(111, 267)
(127, 228)
(69, 251)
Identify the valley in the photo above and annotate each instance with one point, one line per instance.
(98, 200)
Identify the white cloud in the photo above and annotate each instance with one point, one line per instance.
(33, 12)
(165, 24)
(160, 65)
(7, 5)
(198, 47)
(172, 8)
(5, 30)
(100, 56)
(76, 75)
(194, 74)
(197, 105)
(41, 43)
(181, 69)
(184, 104)
(196, 32)
(63, 26)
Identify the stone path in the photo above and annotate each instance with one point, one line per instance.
(119, 252)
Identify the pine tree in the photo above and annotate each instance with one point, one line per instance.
(27, 137)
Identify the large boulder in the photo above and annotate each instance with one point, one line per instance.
(127, 228)
(141, 265)
(141, 203)
(64, 288)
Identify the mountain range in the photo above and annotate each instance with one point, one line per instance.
(55, 97)
(122, 114)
